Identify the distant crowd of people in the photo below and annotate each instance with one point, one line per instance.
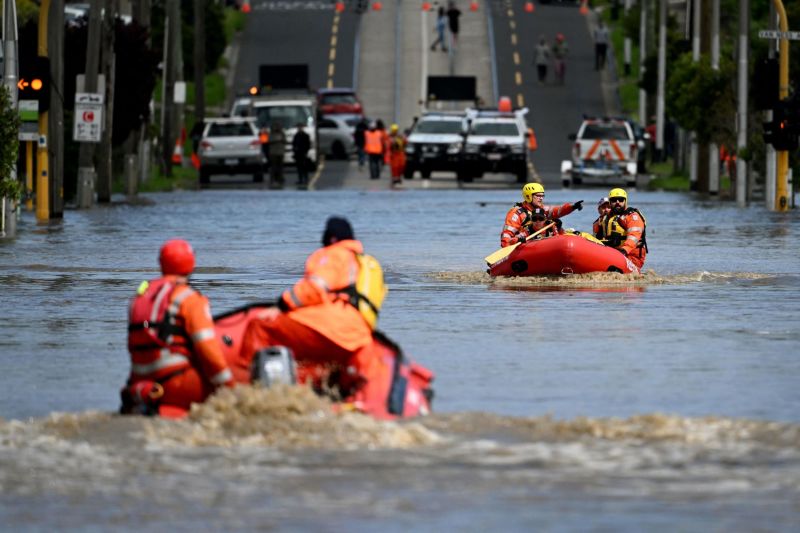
(376, 147)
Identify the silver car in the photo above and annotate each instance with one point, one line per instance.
(230, 146)
(336, 135)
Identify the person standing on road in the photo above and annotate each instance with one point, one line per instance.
(600, 45)
(520, 223)
(440, 28)
(397, 154)
(560, 51)
(358, 139)
(541, 58)
(373, 146)
(301, 144)
(453, 13)
(277, 151)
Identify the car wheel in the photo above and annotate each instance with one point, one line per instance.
(258, 177)
(631, 184)
(464, 176)
(566, 183)
(576, 180)
(426, 173)
(408, 172)
(522, 175)
(338, 150)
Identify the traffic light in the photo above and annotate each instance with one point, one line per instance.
(34, 81)
(783, 132)
(765, 84)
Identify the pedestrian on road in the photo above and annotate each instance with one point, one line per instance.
(358, 139)
(560, 51)
(441, 26)
(600, 45)
(452, 16)
(541, 58)
(373, 146)
(397, 154)
(301, 144)
(277, 151)
(381, 127)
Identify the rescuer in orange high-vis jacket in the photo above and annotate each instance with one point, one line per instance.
(176, 359)
(519, 223)
(315, 318)
(625, 228)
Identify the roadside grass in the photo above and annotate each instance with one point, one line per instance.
(234, 22)
(666, 179)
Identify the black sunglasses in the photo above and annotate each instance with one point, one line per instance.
(617, 200)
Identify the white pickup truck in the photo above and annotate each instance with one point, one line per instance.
(605, 151)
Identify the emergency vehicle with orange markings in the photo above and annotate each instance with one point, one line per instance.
(604, 152)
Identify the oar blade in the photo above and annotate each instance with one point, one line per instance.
(500, 254)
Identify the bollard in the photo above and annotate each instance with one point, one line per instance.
(131, 179)
(86, 180)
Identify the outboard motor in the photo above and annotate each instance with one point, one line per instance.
(273, 365)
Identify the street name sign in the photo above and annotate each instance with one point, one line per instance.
(775, 34)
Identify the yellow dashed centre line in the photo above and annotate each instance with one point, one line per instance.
(511, 13)
(332, 55)
(514, 39)
(330, 70)
(333, 41)
(520, 100)
(516, 57)
(512, 24)
(518, 78)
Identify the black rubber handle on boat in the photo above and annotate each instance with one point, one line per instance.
(243, 308)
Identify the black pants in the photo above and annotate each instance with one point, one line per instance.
(375, 164)
(302, 168)
(600, 56)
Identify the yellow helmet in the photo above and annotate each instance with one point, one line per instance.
(618, 193)
(394, 128)
(530, 189)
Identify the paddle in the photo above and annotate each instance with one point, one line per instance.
(504, 252)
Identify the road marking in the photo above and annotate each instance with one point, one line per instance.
(330, 83)
(518, 77)
(516, 57)
(330, 70)
(510, 13)
(333, 41)
(335, 28)
(520, 100)
(514, 39)
(332, 55)
(313, 181)
(512, 24)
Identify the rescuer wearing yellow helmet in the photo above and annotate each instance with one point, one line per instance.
(525, 218)
(624, 228)
(396, 155)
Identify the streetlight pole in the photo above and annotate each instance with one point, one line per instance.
(713, 149)
(10, 75)
(741, 124)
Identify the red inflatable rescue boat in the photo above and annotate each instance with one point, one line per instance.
(562, 254)
(380, 380)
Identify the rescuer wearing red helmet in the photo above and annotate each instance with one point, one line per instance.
(624, 228)
(176, 358)
(519, 224)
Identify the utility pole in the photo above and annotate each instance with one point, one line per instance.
(199, 61)
(108, 60)
(642, 58)
(713, 148)
(782, 161)
(694, 149)
(42, 156)
(55, 36)
(87, 176)
(627, 46)
(741, 123)
(662, 77)
(171, 25)
(8, 215)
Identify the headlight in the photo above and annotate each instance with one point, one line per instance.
(454, 148)
(517, 148)
(472, 148)
(410, 148)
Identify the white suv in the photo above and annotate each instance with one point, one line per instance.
(496, 141)
(605, 151)
(435, 143)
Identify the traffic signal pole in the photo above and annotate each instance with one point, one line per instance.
(42, 157)
(782, 156)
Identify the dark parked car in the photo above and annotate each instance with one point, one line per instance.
(338, 101)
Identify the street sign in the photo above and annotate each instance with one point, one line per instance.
(775, 34)
(29, 117)
(88, 117)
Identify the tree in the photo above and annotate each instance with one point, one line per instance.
(9, 146)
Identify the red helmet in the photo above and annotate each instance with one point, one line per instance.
(176, 257)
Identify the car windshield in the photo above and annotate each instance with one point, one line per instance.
(438, 126)
(288, 116)
(335, 99)
(231, 129)
(603, 131)
(495, 128)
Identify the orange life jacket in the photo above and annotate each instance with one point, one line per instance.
(157, 340)
(373, 142)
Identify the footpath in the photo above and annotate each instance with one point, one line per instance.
(396, 59)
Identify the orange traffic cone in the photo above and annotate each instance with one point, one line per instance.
(529, 7)
(426, 6)
(246, 6)
(377, 6)
(339, 7)
(177, 153)
(473, 6)
(584, 8)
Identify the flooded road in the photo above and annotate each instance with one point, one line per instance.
(668, 401)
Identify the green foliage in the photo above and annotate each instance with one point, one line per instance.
(702, 99)
(9, 146)
(27, 11)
